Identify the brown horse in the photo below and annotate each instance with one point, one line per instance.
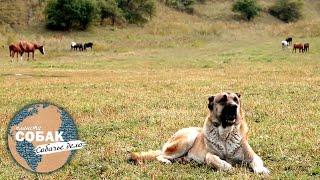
(13, 49)
(306, 47)
(297, 46)
(27, 47)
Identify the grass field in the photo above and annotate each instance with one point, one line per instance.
(140, 85)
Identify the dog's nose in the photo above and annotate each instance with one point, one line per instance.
(233, 108)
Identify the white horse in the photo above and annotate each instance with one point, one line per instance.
(73, 44)
(284, 44)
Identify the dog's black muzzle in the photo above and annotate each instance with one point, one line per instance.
(229, 115)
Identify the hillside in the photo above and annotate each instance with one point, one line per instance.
(139, 85)
(21, 14)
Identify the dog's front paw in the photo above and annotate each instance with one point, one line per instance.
(261, 170)
(226, 166)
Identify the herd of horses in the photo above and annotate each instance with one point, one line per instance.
(78, 46)
(25, 47)
(28, 47)
(302, 47)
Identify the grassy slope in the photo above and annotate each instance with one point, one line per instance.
(140, 85)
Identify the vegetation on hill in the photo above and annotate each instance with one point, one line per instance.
(247, 8)
(24, 13)
(138, 83)
(67, 14)
(287, 10)
(181, 5)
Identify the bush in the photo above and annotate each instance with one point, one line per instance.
(137, 11)
(182, 5)
(287, 10)
(109, 9)
(247, 8)
(67, 14)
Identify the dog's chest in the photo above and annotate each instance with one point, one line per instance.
(224, 143)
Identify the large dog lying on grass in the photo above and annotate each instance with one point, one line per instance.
(220, 143)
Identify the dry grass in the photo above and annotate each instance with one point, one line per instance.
(140, 85)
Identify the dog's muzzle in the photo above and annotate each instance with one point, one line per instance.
(229, 115)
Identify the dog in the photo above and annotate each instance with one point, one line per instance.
(221, 143)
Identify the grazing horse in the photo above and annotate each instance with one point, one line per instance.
(13, 49)
(27, 47)
(289, 40)
(297, 46)
(88, 45)
(306, 47)
(284, 44)
(75, 46)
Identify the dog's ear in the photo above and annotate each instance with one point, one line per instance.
(238, 94)
(211, 103)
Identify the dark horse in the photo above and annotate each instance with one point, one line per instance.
(297, 46)
(13, 49)
(88, 45)
(306, 47)
(75, 46)
(289, 40)
(27, 47)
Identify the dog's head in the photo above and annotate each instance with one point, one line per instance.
(225, 109)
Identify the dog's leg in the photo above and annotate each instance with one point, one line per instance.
(216, 162)
(257, 165)
(164, 159)
(178, 145)
(254, 160)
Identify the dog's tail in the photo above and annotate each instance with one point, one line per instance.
(140, 157)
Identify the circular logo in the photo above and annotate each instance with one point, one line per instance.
(42, 137)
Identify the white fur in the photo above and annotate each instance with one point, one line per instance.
(164, 159)
(257, 165)
(73, 44)
(190, 133)
(285, 44)
(218, 163)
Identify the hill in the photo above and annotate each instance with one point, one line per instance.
(139, 85)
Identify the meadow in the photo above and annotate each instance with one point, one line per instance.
(139, 85)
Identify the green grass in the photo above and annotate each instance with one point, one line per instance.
(140, 85)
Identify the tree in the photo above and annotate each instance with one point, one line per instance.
(247, 8)
(109, 9)
(182, 5)
(287, 10)
(137, 11)
(67, 14)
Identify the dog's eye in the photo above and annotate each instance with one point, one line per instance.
(235, 100)
(223, 99)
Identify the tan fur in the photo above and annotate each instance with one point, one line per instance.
(144, 156)
(217, 144)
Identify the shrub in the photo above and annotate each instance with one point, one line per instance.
(287, 10)
(247, 8)
(67, 14)
(137, 11)
(181, 5)
(109, 9)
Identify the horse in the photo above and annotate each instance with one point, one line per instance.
(27, 47)
(13, 49)
(289, 40)
(284, 44)
(297, 46)
(88, 45)
(306, 47)
(75, 46)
